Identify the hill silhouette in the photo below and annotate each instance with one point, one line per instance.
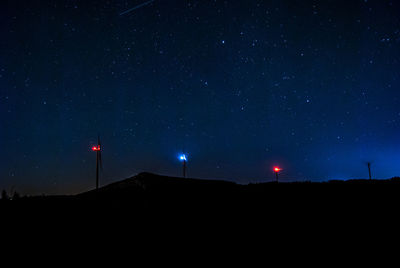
(151, 192)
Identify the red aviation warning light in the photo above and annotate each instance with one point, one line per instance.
(276, 170)
(96, 148)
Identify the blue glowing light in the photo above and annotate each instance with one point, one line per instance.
(183, 157)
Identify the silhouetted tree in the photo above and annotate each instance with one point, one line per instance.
(4, 195)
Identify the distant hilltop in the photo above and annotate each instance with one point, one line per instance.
(151, 192)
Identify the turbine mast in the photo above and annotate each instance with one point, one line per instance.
(97, 170)
(369, 170)
(97, 149)
(183, 158)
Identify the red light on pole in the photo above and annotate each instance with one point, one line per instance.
(97, 149)
(276, 170)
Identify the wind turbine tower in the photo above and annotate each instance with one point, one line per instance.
(369, 170)
(99, 164)
(183, 159)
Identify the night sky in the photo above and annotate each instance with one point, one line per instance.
(240, 86)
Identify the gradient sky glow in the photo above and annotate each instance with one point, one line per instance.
(239, 86)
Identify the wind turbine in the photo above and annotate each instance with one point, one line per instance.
(369, 170)
(276, 170)
(183, 158)
(97, 149)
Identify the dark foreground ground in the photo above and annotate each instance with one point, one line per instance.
(154, 194)
(284, 216)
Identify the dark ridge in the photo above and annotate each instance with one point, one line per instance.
(148, 182)
(151, 193)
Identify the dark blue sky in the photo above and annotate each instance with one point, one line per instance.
(239, 85)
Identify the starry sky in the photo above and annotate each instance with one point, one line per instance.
(239, 86)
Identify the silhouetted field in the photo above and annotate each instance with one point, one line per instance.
(149, 193)
(162, 211)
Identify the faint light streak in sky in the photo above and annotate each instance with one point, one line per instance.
(136, 7)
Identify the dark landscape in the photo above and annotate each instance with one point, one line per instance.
(249, 108)
(151, 193)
